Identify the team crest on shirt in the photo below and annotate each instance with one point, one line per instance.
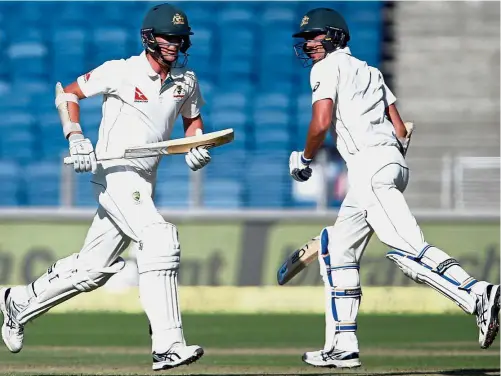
(178, 19)
(136, 197)
(304, 21)
(179, 92)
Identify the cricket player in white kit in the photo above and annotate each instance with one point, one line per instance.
(352, 97)
(142, 97)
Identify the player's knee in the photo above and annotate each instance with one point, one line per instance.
(83, 275)
(159, 248)
(333, 251)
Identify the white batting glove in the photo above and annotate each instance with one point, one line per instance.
(299, 166)
(82, 152)
(197, 157)
(409, 126)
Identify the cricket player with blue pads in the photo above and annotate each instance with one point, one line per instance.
(352, 97)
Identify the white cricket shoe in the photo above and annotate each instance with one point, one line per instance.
(333, 358)
(177, 356)
(12, 331)
(488, 316)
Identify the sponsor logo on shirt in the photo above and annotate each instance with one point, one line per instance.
(139, 96)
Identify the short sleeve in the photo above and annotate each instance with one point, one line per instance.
(389, 97)
(104, 79)
(194, 102)
(324, 82)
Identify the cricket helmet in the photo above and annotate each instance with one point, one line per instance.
(165, 20)
(322, 21)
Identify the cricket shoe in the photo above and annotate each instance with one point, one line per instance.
(488, 316)
(332, 359)
(177, 356)
(12, 331)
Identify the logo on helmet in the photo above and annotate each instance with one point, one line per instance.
(178, 19)
(304, 21)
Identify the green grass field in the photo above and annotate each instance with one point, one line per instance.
(118, 344)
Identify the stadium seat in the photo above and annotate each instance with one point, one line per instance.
(43, 183)
(33, 56)
(222, 194)
(249, 76)
(84, 191)
(109, 43)
(10, 187)
(174, 193)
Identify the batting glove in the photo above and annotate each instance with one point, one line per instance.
(82, 152)
(404, 142)
(197, 157)
(299, 167)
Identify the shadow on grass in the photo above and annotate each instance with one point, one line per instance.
(453, 372)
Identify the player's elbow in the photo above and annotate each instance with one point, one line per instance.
(322, 124)
(74, 88)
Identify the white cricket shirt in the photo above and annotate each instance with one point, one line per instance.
(360, 97)
(137, 109)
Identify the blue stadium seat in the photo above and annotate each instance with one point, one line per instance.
(280, 16)
(109, 43)
(243, 57)
(32, 56)
(18, 146)
(33, 86)
(10, 187)
(174, 193)
(84, 191)
(69, 44)
(236, 15)
(42, 183)
(14, 100)
(365, 12)
(272, 101)
(78, 12)
(53, 144)
(203, 42)
(232, 100)
(275, 118)
(235, 69)
(266, 183)
(16, 121)
(222, 194)
(242, 43)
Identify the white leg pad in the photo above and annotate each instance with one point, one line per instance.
(342, 300)
(158, 259)
(439, 271)
(63, 280)
(159, 248)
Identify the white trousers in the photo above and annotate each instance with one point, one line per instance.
(375, 204)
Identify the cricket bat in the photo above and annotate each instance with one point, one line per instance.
(298, 260)
(176, 146)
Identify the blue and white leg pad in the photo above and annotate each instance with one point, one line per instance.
(432, 267)
(343, 282)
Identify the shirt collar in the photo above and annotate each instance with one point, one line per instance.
(147, 66)
(345, 50)
(174, 73)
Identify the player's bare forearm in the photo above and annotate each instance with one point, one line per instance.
(398, 124)
(319, 125)
(191, 125)
(73, 108)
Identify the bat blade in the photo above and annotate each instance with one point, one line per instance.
(298, 260)
(176, 146)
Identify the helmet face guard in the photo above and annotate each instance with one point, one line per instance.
(334, 38)
(152, 46)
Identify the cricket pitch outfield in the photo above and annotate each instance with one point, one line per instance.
(118, 344)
